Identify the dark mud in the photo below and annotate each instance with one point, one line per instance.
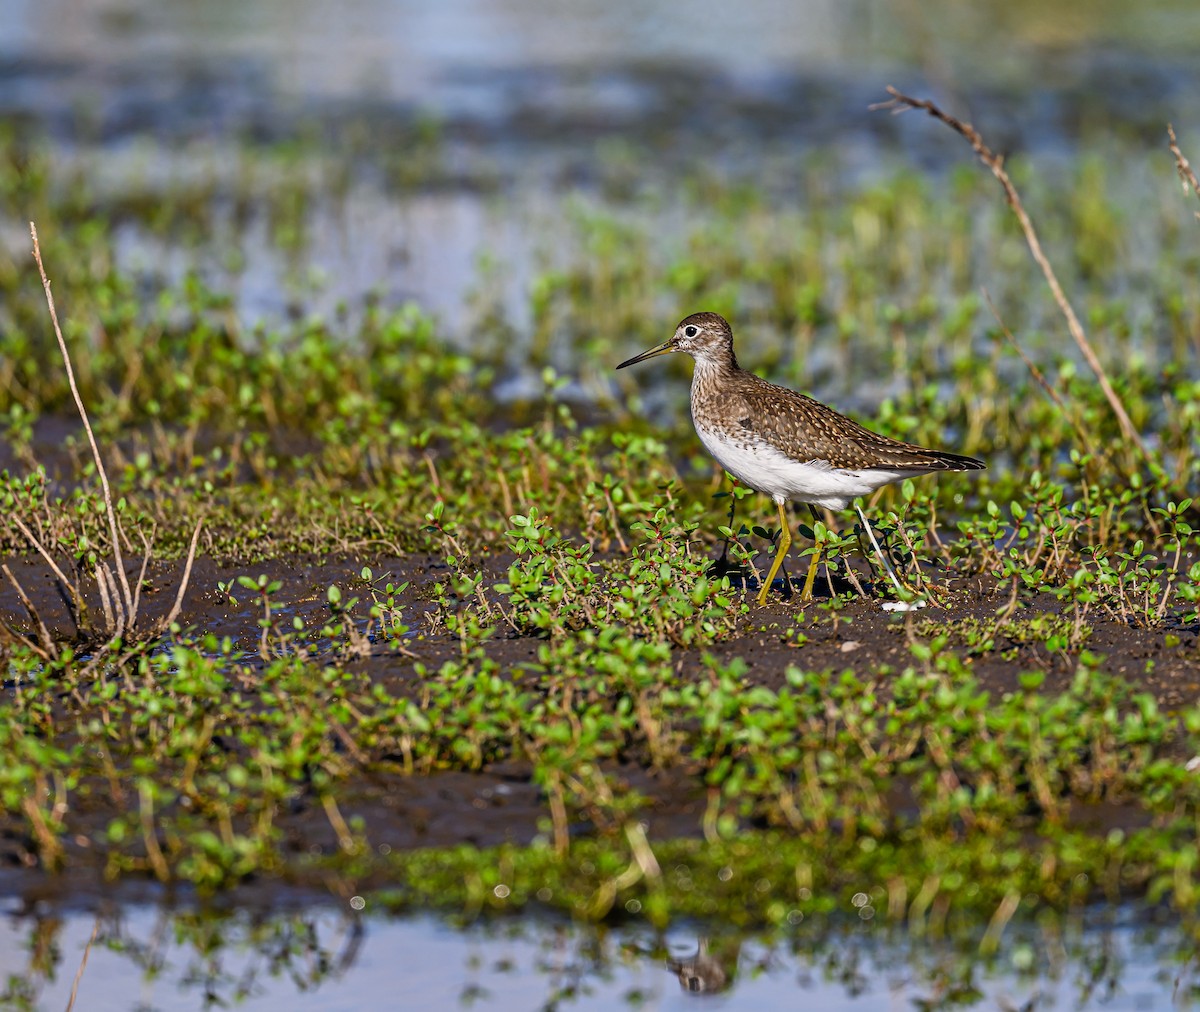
(501, 803)
(1164, 661)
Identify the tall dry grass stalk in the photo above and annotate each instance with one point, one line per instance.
(120, 602)
(1187, 175)
(899, 102)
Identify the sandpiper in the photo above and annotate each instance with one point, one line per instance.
(787, 445)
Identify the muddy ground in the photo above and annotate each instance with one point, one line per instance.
(501, 803)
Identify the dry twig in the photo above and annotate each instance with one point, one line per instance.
(68, 587)
(48, 650)
(899, 102)
(114, 530)
(1187, 174)
(120, 603)
(83, 964)
(1040, 378)
(173, 614)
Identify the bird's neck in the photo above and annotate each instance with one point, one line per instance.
(710, 376)
(716, 364)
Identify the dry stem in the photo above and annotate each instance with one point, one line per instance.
(158, 861)
(67, 586)
(83, 965)
(899, 102)
(173, 614)
(120, 606)
(344, 836)
(114, 530)
(48, 650)
(1187, 174)
(1036, 373)
(50, 850)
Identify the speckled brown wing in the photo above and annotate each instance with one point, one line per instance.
(807, 430)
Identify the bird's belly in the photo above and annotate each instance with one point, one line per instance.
(768, 470)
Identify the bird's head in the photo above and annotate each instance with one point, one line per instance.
(707, 337)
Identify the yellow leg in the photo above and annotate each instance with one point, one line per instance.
(806, 593)
(785, 542)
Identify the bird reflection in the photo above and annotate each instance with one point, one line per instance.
(711, 970)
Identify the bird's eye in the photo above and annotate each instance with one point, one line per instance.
(690, 331)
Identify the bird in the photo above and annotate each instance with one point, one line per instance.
(785, 444)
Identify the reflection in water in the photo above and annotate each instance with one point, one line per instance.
(147, 957)
(708, 971)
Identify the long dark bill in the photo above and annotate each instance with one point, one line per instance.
(663, 349)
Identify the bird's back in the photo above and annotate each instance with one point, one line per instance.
(741, 406)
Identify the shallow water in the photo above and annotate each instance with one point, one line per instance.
(143, 97)
(442, 54)
(147, 958)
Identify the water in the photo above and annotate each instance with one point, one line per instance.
(532, 105)
(449, 55)
(143, 957)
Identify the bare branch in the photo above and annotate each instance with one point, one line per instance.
(898, 103)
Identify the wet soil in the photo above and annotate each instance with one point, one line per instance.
(501, 803)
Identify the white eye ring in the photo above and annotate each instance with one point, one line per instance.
(689, 331)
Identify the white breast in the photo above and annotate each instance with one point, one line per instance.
(761, 466)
